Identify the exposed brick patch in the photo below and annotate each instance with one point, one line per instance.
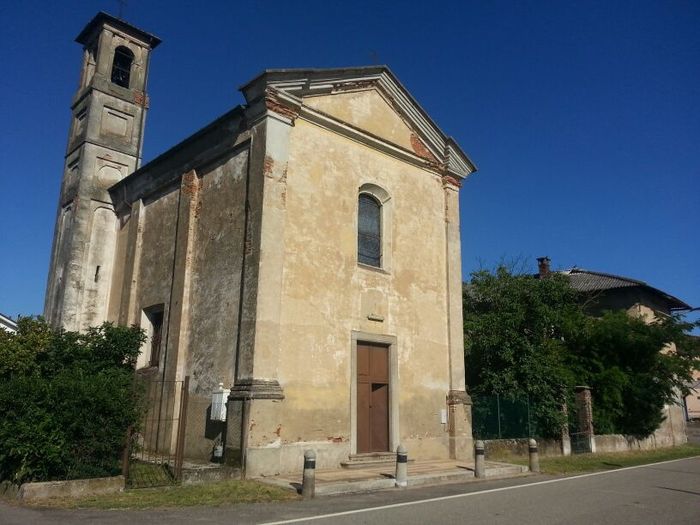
(273, 103)
(190, 184)
(141, 99)
(283, 182)
(421, 150)
(450, 180)
(268, 166)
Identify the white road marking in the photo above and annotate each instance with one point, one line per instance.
(468, 494)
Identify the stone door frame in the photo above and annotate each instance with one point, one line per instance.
(390, 342)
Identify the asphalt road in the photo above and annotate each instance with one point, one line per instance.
(664, 493)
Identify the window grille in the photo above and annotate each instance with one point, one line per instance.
(369, 237)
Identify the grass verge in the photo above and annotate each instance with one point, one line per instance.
(211, 494)
(596, 462)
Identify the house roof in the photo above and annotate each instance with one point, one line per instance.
(590, 281)
(8, 322)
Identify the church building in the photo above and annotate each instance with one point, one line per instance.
(303, 249)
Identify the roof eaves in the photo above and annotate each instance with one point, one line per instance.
(678, 305)
(123, 25)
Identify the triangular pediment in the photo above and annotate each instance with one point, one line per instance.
(368, 100)
(367, 110)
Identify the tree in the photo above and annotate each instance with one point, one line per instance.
(633, 368)
(531, 337)
(514, 331)
(66, 400)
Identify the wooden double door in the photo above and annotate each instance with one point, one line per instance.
(372, 398)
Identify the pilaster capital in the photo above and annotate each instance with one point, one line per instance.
(450, 182)
(458, 397)
(256, 389)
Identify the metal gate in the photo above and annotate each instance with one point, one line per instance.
(154, 451)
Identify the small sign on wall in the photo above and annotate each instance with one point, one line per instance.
(218, 403)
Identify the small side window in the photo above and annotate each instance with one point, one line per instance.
(121, 66)
(152, 323)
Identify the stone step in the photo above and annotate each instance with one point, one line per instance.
(193, 473)
(373, 459)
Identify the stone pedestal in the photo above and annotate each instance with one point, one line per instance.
(460, 424)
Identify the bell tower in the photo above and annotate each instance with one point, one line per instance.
(104, 146)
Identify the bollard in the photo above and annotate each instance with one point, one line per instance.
(401, 467)
(479, 460)
(534, 456)
(308, 482)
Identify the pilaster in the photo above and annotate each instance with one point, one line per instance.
(458, 401)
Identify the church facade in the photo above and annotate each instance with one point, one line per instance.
(303, 250)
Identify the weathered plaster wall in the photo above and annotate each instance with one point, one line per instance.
(216, 275)
(326, 296)
(186, 241)
(214, 297)
(157, 252)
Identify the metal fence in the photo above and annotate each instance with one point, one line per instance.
(153, 455)
(498, 417)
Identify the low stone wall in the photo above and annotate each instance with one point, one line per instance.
(671, 433)
(43, 490)
(502, 448)
(620, 443)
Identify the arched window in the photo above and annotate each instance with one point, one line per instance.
(369, 231)
(121, 66)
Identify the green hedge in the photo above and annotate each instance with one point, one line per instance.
(66, 400)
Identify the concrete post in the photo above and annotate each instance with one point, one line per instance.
(401, 466)
(534, 456)
(308, 482)
(479, 459)
(565, 436)
(584, 407)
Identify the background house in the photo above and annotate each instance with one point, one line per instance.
(7, 324)
(604, 291)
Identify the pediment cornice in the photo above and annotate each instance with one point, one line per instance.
(283, 92)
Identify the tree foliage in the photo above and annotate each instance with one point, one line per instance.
(527, 337)
(514, 328)
(633, 368)
(66, 400)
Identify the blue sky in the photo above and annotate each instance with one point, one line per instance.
(583, 117)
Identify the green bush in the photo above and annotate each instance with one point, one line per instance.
(66, 400)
